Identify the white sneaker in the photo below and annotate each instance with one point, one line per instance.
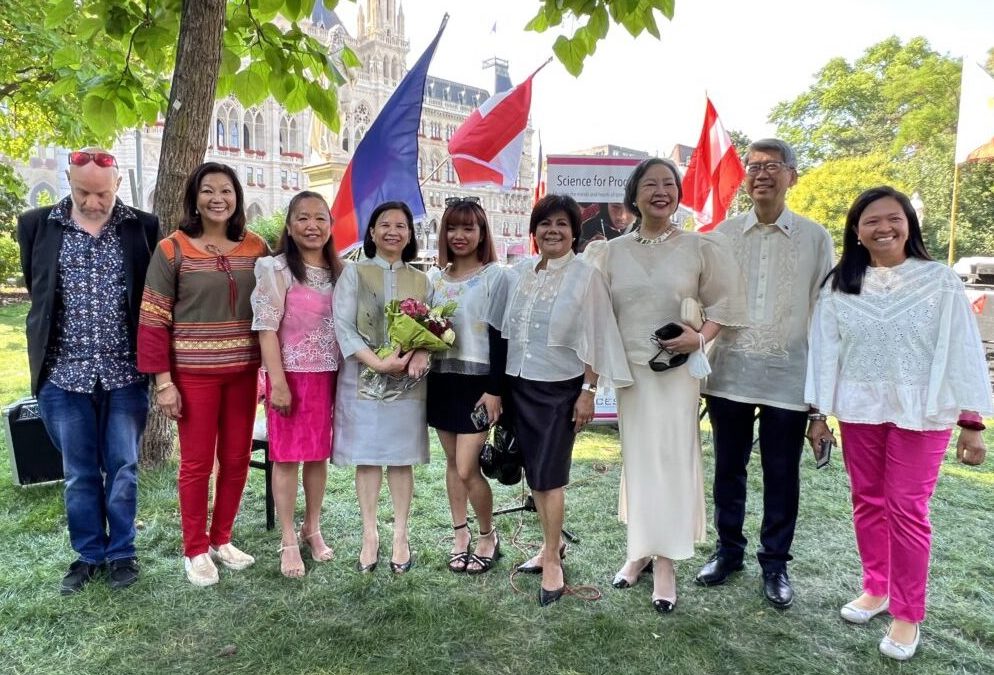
(854, 614)
(898, 650)
(200, 570)
(231, 557)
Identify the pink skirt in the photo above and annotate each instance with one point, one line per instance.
(305, 434)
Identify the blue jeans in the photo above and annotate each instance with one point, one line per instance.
(98, 435)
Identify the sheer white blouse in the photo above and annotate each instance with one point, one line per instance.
(558, 319)
(906, 350)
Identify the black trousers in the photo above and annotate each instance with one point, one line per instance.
(781, 441)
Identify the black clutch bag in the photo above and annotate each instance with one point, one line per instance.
(500, 458)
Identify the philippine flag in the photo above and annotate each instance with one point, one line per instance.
(384, 166)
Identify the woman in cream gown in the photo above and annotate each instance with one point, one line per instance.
(649, 272)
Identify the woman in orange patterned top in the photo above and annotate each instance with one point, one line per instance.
(195, 335)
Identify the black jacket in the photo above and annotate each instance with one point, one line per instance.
(41, 242)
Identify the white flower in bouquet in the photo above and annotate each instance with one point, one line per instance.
(449, 336)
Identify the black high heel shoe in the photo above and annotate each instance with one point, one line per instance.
(366, 569)
(546, 598)
(534, 568)
(485, 563)
(663, 606)
(400, 568)
(621, 581)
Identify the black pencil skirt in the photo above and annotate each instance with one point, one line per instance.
(542, 421)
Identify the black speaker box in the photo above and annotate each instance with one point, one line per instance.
(33, 457)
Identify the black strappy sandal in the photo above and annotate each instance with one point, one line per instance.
(486, 563)
(459, 560)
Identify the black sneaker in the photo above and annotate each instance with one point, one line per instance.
(79, 574)
(123, 573)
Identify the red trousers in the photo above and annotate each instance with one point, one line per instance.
(218, 412)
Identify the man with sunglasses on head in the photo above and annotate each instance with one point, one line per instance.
(84, 263)
(759, 371)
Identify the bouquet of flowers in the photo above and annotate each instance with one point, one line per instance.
(411, 324)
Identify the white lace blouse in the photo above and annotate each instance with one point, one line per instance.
(906, 350)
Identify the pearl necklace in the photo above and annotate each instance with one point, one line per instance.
(637, 235)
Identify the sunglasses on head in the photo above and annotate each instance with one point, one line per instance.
(82, 158)
(454, 201)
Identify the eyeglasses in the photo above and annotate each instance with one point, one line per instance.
(771, 168)
(455, 201)
(82, 158)
(667, 332)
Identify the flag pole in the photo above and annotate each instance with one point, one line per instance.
(434, 171)
(952, 217)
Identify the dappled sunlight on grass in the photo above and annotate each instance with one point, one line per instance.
(14, 378)
(969, 473)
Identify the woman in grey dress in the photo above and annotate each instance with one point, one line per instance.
(375, 430)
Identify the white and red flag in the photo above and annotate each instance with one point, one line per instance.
(714, 173)
(486, 148)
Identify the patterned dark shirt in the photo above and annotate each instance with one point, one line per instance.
(91, 323)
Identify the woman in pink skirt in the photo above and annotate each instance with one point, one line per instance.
(292, 303)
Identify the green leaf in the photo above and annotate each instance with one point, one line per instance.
(324, 102)
(650, 23)
(598, 23)
(296, 97)
(266, 6)
(571, 54)
(250, 87)
(100, 114)
(57, 14)
(225, 85)
(350, 59)
(539, 23)
(666, 7)
(63, 87)
(67, 57)
(292, 9)
(230, 61)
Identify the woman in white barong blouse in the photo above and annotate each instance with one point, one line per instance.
(561, 336)
(896, 356)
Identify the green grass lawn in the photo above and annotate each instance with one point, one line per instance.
(429, 620)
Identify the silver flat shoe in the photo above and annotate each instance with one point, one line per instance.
(899, 651)
(858, 615)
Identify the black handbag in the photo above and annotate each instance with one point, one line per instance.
(500, 458)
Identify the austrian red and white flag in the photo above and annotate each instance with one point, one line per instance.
(486, 148)
(714, 174)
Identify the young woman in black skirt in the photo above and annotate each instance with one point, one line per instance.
(468, 376)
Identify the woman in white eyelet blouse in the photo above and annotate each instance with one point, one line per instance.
(896, 356)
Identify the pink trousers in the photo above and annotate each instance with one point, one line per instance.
(893, 472)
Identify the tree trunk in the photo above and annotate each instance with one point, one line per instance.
(184, 143)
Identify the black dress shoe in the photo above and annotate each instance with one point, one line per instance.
(400, 568)
(123, 573)
(717, 570)
(663, 606)
(535, 568)
(777, 589)
(546, 598)
(79, 574)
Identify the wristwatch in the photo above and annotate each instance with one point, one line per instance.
(592, 388)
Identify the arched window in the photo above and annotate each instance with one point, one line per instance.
(219, 135)
(421, 166)
(359, 133)
(294, 135)
(246, 137)
(450, 174)
(233, 129)
(284, 136)
(260, 131)
(345, 139)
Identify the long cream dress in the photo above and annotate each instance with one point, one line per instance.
(662, 483)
